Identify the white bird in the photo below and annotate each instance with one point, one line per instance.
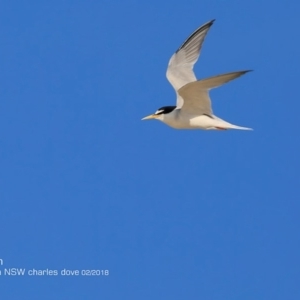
(193, 108)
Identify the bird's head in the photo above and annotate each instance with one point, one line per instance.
(160, 113)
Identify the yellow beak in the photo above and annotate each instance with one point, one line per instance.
(150, 117)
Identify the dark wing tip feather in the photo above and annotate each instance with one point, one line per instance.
(246, 71)
(201, 28)
(240, 73)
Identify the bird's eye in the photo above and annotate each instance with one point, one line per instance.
(158, 112)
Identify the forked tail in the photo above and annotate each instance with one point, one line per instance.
(221, 124)
(239, 127)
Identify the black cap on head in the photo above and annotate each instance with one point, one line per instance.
(165, 110)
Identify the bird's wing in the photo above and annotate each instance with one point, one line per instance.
(196, 100)
(195, 94)
(180, 68)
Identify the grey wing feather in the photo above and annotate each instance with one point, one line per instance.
(180, 68)
(196, 99)
(195, 94)
(216, 81)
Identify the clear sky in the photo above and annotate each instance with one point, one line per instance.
(86, 185)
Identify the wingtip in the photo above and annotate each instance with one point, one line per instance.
(245, 71)
(202, 28)
(209, 23)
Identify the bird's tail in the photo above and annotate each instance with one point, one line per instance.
(221, 124)
(239, 127)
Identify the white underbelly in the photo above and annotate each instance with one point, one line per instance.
(199, 122)
(180, 120)
(203, 122)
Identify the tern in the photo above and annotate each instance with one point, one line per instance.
(193, 108)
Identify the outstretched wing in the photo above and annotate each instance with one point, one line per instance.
(195, 94)
(180, 68)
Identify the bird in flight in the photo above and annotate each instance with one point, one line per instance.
(193, 108)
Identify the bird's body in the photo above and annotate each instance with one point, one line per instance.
(193, 109)
(181, 120)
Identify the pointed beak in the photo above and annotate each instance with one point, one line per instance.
(150, 117)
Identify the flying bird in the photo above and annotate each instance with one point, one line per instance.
(193, 108)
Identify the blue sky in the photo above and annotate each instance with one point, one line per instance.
(84, 184)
